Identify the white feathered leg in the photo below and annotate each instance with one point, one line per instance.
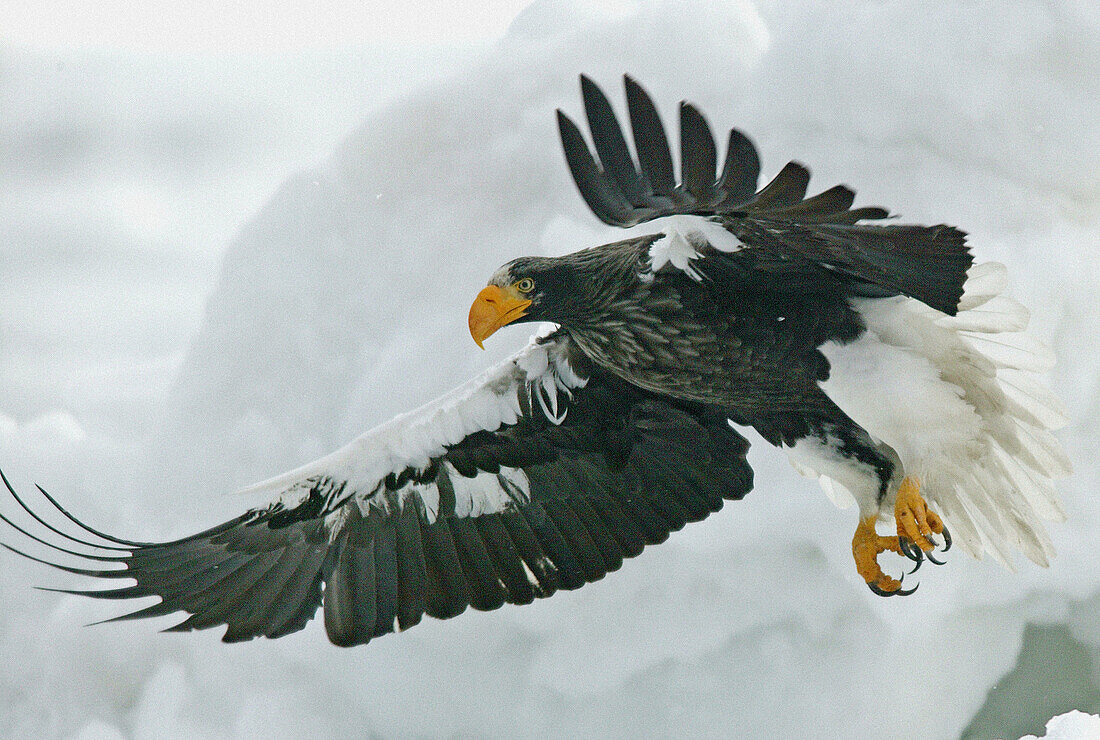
(873, 488)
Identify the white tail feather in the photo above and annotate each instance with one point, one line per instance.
(1039, 449)
(1018, 351)
(1037, 399)
(1035, 489)
(998, 314)
(989, 470)
(983, 282)
(966, 532)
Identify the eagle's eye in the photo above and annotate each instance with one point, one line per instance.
(526, 285)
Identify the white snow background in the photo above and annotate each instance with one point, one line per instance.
(174, 324)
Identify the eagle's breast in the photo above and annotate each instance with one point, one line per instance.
(647, 338)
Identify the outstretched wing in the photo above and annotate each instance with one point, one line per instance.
(538, 476)
(788, 232)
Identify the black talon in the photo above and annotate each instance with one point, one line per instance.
(899, 592)
(933, 560)
(876, 590)
(916, 567)
(910, 550)
(946, 539)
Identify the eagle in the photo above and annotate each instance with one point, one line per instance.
(878, 355)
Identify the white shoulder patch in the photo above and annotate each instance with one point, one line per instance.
(682, 238)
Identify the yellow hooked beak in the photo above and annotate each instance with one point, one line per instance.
(493, 308)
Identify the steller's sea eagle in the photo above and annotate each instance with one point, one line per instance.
(877, 355)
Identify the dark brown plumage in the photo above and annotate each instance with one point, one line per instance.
(598, 439)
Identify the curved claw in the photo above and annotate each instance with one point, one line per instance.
(946, 539)
(880, 592)
(886, 594)
(933, 560)
(875, 589)
(899, 592)
(917, 566)
(910, 550)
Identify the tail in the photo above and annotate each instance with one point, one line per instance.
(995, 490)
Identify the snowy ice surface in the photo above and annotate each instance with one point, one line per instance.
(140, 380)
(1073, 725)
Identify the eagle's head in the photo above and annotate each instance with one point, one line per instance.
(525, 289)
(570, 291)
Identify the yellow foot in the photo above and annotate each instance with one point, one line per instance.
(866, 547)
(917, 523)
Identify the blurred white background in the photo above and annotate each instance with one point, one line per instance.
(212, 218)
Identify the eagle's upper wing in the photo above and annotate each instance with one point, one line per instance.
(535, 477)
(789, 233)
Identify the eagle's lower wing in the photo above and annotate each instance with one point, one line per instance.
(532, 478)
(821, 237)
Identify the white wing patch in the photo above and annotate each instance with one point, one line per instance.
(541, 371)
(485, 493)
(959, 401)
(682, 238)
